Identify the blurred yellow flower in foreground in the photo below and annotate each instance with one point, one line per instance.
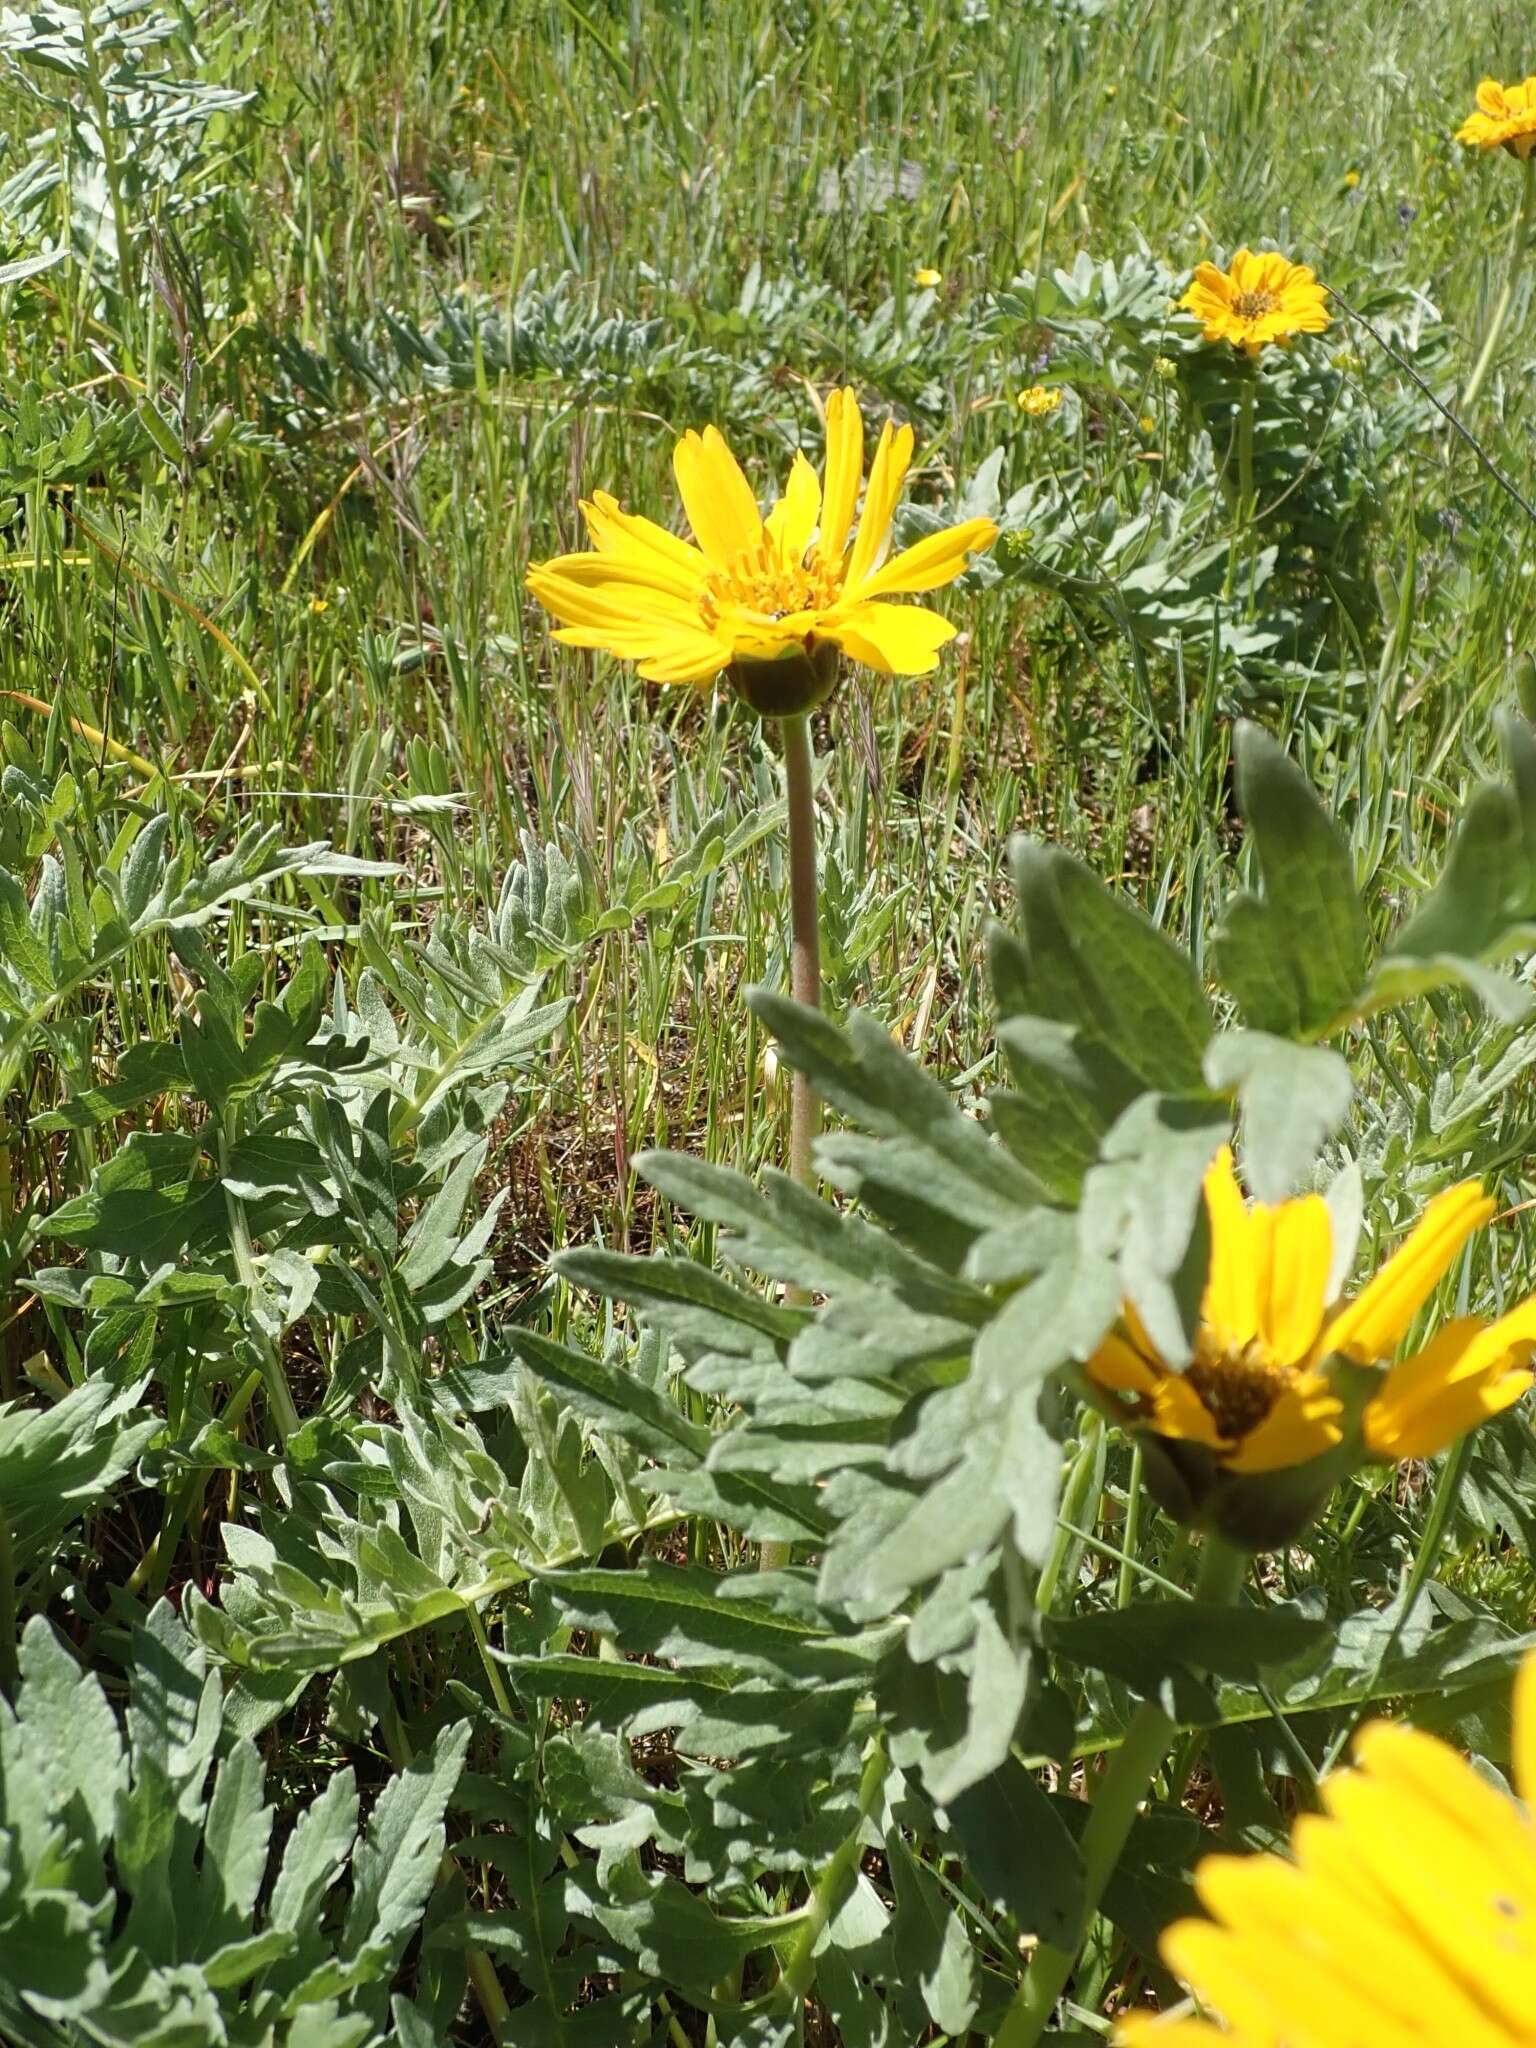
(1040, 399)
(927, 278)
(1266, 1389)
(759, 596)
(1505, 118)
(1405, 1915)
(1261, 299)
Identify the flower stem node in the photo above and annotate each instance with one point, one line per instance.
(787, 685)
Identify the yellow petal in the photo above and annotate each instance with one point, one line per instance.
(1490, 97)
(793, 519)
(583, 590)
(629, 533)
(845, 467)
(1469, 1371)
(1231, 1304)
(1371, 1327)
(1178, 1411)
(1120, 1369)
(685, 658)
(892, 639)
(753, 636)
(632, 569)
(1140, 2030)
(1302, 1425)
(717, 497)
(1262, 1986)
(932, 562)
(1341, 1932)
(1212, 283)
(1421, 1829)
(1293, 1292)
(886, 474)
(1430, 1785)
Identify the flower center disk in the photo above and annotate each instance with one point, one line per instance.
(760, 580)
(1254, 305)
(1237, 1388)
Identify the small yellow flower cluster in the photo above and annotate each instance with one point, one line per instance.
(1040, 400)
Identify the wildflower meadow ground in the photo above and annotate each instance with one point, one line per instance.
(767, 1013)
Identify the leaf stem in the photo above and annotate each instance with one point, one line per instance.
(1121, 1791)
(285, 1416)
(1519, 236)
(831, 1886)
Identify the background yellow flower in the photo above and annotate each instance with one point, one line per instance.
(1262, 299)
(1505, 118)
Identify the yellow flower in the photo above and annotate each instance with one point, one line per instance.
(1261, 299)
(927, 278)
(1260, 1395)
(1040, 399)
(1505, 118)
(794, 588)
(1405, 1915)
(1351, 179)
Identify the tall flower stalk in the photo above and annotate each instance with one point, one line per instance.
(1519, 243)
(775, 603)
(1504, 118)
(804, 925)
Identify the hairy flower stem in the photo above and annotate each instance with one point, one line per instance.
(804, 934)
(1120, 1793)
(1519, 236)
(10, 1674)
(804, 980)
(1247, 505)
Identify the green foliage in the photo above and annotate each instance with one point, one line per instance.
(141, 1898)
(357, 943)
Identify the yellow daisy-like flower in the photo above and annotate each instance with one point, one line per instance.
(1261, 299)
(1505, 118)
(1405, 1916)
(755, 593)
(1040, 399)
(1259, 1394)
